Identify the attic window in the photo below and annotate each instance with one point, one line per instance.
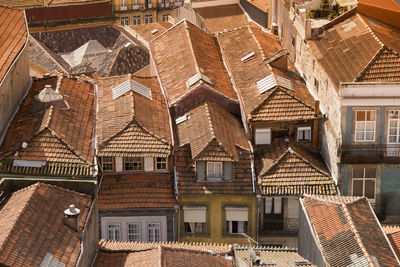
(181, 119)
(141, 89)
(266, 84)
(154, 31)
(197, 77)
(283, 82)
(246, 57)
(128, 85)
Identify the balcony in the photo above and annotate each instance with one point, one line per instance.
(382, 153)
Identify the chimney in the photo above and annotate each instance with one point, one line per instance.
(48, 95)
(71, 218)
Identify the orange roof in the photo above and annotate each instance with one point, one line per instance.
(290, 169)
(220, 18)
(13, 36)
(347, 230)
(179, 56)
(124, 127)
(32, 226)
(209, 125)
(149, 31)
(50, 3)
(55, 132)
(139, 190)
(386, 11)
(261, 4)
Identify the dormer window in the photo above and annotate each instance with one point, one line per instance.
(304, 133)
(108, 163)
(133, 164)
(214, 171)
(161, 163)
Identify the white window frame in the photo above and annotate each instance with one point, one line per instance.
(363, 179)
(112, 163)
(397, 127)
(263, 131)
(148, 18)
(114, 230)
(153, 233)
(136, 20)
(139, 233)
(157, 162)
(215, 163)
(165, 17)
(141, 164)
(124, 20)
(365, 122)
(304, 129)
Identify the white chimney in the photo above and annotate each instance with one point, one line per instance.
(71, 218)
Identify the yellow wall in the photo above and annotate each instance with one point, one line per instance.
(216, 232)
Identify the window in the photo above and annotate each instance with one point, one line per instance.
(394, 127)
(148, 18)
(133, 232)
(364, 180)
(214, 170)
(124, 21)
(114, 232)
(236, 219)
(263, 136)
(365, 126)
(161, 163)
(133, 164)
(153, 232)
(273, 205)
(304, 133)
(123, 4)
(165, 17)
(136, 20)
(195, 219)
(108, 163)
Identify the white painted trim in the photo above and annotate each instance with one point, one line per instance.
(393, 101)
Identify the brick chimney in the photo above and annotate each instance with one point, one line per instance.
(71, 218)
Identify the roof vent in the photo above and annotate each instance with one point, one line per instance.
(197, 77)
(24, 145)
(283, 82)
(266, 84)
(181, 119)
(48, 95)
(154, 31)
(72, 217)
(129, 85)
(246, 57)
(290, 150)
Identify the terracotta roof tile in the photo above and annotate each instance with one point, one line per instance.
(179, 55)
(146, 30)
(224, 17)
(139, 190)
(278, 103)
(347, 230)
(13, 36)
(387, 11)
(394, 239)
(206, 124)
(53, 135)
(124, 126)
(31, 225)
(289, 169)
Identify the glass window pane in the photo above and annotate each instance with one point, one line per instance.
(218, 170)
(360, 115)
(370, 126)
(358, 172)
(359, 135)
(370, 115)
(370, 172)
(370, 136)
(357, 187)
(360, 126)
(370, 189)
(392, 139)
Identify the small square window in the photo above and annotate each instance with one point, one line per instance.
(165, 17)
(304, 133)
(108, 163)
(148, 18)
(161, 163)
(124, 21)
(263, 136)
(133, 164)
(133, 232)
(114, 232)
(136, 20)
(236, 227)
(153, 232)
(214, 170)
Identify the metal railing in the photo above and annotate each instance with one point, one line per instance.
(371, 153)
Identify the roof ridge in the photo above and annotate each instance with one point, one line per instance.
(117, 133)
(196, 65)
(357, 234)
(309, 162)
(232, 30)
(149, 132)
(209, 119)
(46, 52)
(370, 30)
(257, 43)
(370, 63)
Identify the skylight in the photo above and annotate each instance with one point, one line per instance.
(266, 84)
(246, 57)
(181, 119)
(154, 31)
(121, 89)
(126, 86)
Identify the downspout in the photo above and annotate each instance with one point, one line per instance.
(84, 232)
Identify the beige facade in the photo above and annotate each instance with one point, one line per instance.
(13, 88)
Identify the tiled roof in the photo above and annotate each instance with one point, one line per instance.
(348, 232)
(290, 169)
(278, 103)
(262, 5)
(139, 190)
(387, 11)
(393, 234)
(224, 17)
(279, 257)
(359, 49)
(179, 56)
(124, 127)
(149, 31)
(32, 225)
(115, 246)
(60, 137)
(212, 133)
(35, 3)
(13, 36)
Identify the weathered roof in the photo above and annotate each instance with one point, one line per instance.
(347, 231)
(139, 190)
(124, 127)
(223, 17)
(287, 98)
(287, 168)
(386, 11)
(32, 226)
(393, 234)
(184, 64)
(13, 36)
(279, 257)
(149, 31)
(58, 133)
(207, 123)
(358, 49)
(50, 3)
